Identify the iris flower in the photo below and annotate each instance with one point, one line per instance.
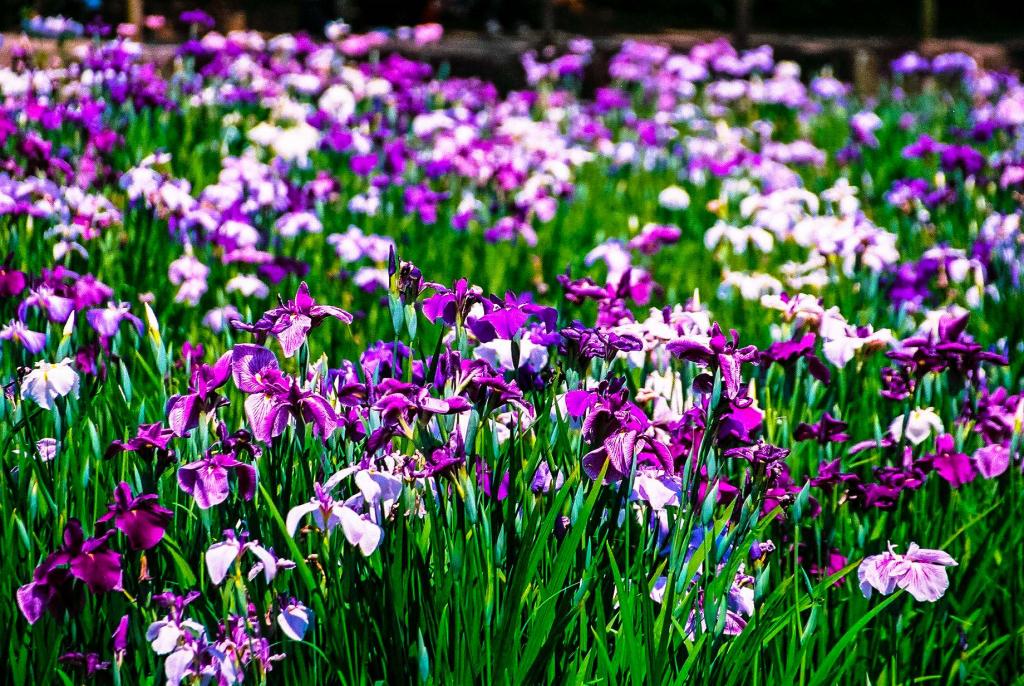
(49, 381)
(921, 572)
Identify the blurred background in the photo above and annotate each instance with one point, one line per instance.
(987, 20)
(485, 38)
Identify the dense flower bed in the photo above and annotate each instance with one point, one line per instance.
(320, 365)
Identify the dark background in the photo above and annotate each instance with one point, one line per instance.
(987, 20)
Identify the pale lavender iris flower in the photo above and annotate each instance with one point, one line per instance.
(921, 572)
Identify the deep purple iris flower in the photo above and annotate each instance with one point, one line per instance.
(787, 353)
(582, 289)
(831, 474)
(90, 663)
(141, 519)
(293, 320)
(90, 560)
(452, 306)
(487, 388)
(198, 18)
(720, 353)
(962, 157)
(402, 404)
(504, 319)
(582, 344)
(765, 458)
(151, 441)
(948, 348)
(827, 430)
(615, 429)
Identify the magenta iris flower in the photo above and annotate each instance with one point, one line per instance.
(206, 480)
(293, 320)
(992, 460)
(120, 637)
(12, 281)
(953, 466)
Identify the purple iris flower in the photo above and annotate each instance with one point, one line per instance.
(12, 281)
(719, 353)
(953, 466)
(16, 332)
(764, 457)
(120, 637)
(141, 519)
(183, 410)
(487, 389)
(276, 399)
(504, 319)
(151, 441)
(452, 306)
(107, 320)
(962, 157)
(52, 589)
(403, 402)
(925, 145)
(293, 320)
(582, 344)
(830, 474)
(654, 237)
(579, 290)
(198, 18)
(827, 430)
(206, 480)
(90, 561)
(786, 353)
(90, 663)
(949, 347)
(615, 429)
(56, 307)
